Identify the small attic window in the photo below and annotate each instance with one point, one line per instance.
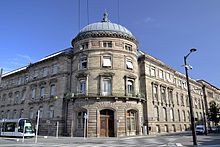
(84, 45)
(128, 47)
(107, 44)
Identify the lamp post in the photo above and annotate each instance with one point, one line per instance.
(190, 99)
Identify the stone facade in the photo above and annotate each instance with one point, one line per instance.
(103, 87)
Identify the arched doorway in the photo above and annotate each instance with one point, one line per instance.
(106, 123)
(131, 122)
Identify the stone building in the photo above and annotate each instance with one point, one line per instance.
(103, 86)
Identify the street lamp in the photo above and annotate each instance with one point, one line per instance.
(190, 99)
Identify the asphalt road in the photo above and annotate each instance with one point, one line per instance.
(177, 139)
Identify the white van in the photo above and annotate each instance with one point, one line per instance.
(200, 129)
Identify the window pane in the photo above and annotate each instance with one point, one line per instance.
(106, 87)
(82, 86)
(129, 64)
(83, 62)
(52, 90)
(107, 61)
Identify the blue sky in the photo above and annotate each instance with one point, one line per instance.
(33, 29)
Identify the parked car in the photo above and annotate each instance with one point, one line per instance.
(200, 129)
(212, 129)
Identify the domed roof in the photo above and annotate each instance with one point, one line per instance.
(105, 28)
(106, 25)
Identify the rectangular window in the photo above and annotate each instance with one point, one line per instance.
(163, 94)
(51, 112)
(83, 62)
(84, 45)
(31, 113)
(80, 120)
(161, 74)
(82, 86)
(210, 94)
(41, 112)
(129, 64)
(107, 62)
(106, 87)
(153, 72)
(53, 90)
(128, 47)
(45, 71)
(130, 87)
(54, 69)
(42, 92)
(177, 98)
(155, 92)
(33, 93)
(107, 44)
(170, 96)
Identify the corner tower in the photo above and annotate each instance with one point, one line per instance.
(105, 82)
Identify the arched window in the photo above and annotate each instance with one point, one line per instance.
(80, 119)
(131, 120)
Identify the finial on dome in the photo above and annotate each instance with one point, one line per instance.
(105, 18)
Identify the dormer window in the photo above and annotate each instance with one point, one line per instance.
(107, 44)
(128, 47)
(84, 45)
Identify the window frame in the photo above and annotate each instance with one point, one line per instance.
(83, 60)
(106, 86)
(106, 61)
(107, 44)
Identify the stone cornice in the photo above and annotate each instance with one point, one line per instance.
(96, 34)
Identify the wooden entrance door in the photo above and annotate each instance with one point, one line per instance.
(107, 123)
